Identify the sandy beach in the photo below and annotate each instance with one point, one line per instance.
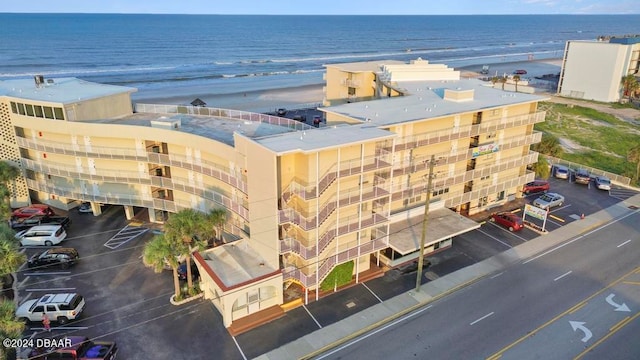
(311, 95)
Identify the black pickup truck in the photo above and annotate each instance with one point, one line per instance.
(77, 348)
(19, 224)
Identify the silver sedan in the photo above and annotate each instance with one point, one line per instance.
(549, 200)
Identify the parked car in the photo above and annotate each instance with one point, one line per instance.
(582, 176)
(79, 348)
(58, 307)
(281, 112)
(35, 209)
(561, 172)
(536, 186)
(182, 272)
(62, 257)
(317, 119)
(509, 220)
(19, 224)
(603, 183)
(42, 235)
(300, 118)
(549, 200)
(85, 208)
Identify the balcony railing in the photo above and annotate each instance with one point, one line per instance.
(434, 137)
(346, 168)
(309, 280)
(400, 191)
(453, 199)
(198, 165)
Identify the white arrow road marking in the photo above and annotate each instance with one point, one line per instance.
(619, 307)
(575, 325)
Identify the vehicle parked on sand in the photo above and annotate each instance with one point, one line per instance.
(603, 183)
(62, 257)
(536, 186)
(47, 235)
(35, 209)
(58, 307)
(548, 201)
(509, 220)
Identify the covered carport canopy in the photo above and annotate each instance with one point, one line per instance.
(442, 224)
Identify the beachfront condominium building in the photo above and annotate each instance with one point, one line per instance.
(593, 70)
(301, 201)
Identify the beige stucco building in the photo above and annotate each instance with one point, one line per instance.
(301, 200)
(593, 70)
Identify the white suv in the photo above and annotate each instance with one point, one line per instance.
(42, 235)
(58, 307)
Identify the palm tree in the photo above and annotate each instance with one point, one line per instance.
(10, 256)
(629, 85)
(494, 80)
(159, 252)
(8, 173)
(516, 79)
(542, 168)
(217, 218)
(634, 156)
(189, 227)
(10, 328)
(503, 80)
(548, 145)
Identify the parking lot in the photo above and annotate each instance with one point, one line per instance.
(128, 303)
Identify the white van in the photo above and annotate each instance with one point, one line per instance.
(42, 235)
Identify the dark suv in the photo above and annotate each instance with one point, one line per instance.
(582, 176)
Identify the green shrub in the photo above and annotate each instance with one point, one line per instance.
(339, 276)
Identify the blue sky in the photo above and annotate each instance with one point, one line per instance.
(331, 7)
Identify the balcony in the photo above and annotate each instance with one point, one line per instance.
(351, 83)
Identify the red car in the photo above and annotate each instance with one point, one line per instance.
(536, 186)
(511, 221)
(35, 209)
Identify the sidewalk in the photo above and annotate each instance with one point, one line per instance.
(349, 328)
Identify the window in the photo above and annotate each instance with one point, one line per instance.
(51, 308)
(352, 91)
(21, 109)
(58, 113)
(38, 309)
(48, 112)
(14, 108)
(38, 111)
(29, 109)
(440, 192)
(500, 196)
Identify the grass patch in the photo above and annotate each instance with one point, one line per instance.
(340, 275)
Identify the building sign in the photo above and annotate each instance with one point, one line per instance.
(536, 212)
(484, 149)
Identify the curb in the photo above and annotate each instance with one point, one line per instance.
(184, 301)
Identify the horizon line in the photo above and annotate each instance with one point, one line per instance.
(239, 14)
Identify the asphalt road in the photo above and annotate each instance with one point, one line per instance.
(530, 310)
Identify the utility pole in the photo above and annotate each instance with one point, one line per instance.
(424, 223)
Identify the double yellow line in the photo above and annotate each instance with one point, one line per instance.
(571, 310)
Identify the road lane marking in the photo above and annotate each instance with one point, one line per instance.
(577, 307)
(238, 346)
(496, 275)
(618, 326)
(529, 334)
(559, 208)
(372, 293)
(620, 323)
(581, 236)
(393, 323)
(314, 319)
(624, 243)
(482, 318)
(579, 325)
(556, 217)
(563, 275)
(495, 238)
(631, 282)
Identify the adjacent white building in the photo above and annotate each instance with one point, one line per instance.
(593, 70)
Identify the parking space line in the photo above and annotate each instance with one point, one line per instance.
(238, 346)
(47, 273)
(496, 275)
(314, 319)
(496, 239)
(51, 289)
(125, 235)
(509, 232)
(624, 243)
(93, 234)
(372, 293)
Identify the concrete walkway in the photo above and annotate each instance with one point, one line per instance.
(349, 328)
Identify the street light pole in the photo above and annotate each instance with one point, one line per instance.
(424, 224)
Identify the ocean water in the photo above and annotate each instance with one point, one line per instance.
(166, 54)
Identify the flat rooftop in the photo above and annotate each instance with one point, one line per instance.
(364, 66)
(59, 90)
(216, 128)
(236, 263)
(441, 225)
(425, 99)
